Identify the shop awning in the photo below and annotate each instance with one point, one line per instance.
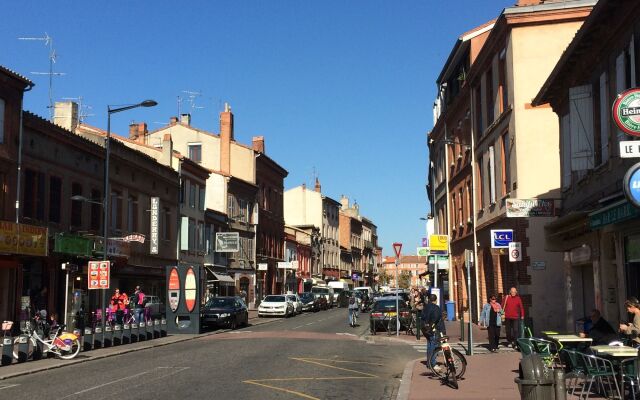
(223, 278)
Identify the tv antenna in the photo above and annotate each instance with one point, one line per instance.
(83, 109)
(192, 95)
(48, 41)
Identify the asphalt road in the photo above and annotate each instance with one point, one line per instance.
(310, 356)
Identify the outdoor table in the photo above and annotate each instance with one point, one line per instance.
(571, 341)
(616, 354)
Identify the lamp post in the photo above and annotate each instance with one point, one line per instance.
(105, 202)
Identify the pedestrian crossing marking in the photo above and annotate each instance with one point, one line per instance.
(479, 348)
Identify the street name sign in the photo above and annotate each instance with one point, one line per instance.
(630, 149)
(227, 242)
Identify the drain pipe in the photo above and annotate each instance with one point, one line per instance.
(20, 130)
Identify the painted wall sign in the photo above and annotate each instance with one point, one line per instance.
(529, 208)
(174, 289)
(626, 111)
(500, 238)
(190, 290)
(631, 185)
(227, 242)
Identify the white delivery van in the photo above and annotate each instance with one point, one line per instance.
(326, 291)
(338, 287)
(367, 289)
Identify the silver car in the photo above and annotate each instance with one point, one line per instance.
(294, 299)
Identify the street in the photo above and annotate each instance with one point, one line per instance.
(312, 356)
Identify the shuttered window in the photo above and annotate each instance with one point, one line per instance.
(604, 117)
(565, 140)
(184, 233)
(581, 120)
(2, 107)
(632, 62)
(492, 175)
(621, 83)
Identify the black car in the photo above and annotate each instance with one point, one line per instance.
(229, 311)
(309, 302)
(383, 314)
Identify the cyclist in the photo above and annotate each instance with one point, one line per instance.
(432, 320)
(353, 308)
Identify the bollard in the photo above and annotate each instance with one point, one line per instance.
(87, 340)
(134, 333)
(23, 348)
(117, 335)
(107, 341)
(98, 338)
(561, 390)
(7, 350)
(156, 328)
(163, 327)
(150, 330)
(126, 334)
(142, 331)
(462, 329)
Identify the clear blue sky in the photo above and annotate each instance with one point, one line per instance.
(344, 88)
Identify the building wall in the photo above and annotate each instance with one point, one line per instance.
(183, 135)
(302, 207)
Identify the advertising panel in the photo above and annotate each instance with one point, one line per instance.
(500, 238)
(23, 239)
(519, 208)
(99, 274)
(439, 244)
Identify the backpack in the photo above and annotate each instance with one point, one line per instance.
(352, 300)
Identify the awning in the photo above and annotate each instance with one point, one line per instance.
(223, 279)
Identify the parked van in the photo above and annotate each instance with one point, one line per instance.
(326, 291)
(367, 289)
(338, 287)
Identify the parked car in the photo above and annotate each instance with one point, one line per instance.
(155, 306)
(383, 314)
(309, 302)
(322, 301)
(275, 305)
(297, 304)
(225, 311)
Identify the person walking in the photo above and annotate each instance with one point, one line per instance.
(491, 318)
(137, 303)
(434, 326)
(513, 314)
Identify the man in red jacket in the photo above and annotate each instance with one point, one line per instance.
(513, 313)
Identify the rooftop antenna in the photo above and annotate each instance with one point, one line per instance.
(48, 41)
(82, 108)
(192, 95)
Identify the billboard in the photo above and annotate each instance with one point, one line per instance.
(227, 242)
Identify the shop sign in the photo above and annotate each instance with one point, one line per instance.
(155, 225)
(75, 245)
(500, 238)
(263, 266)
(443, 262)
(283, 265)
(619, 213)
(517, 208)
(631, 185)
(626, 111)
(115, 248)
(629, 149)
(23, 239)
(99, 274)
(227, 242)
(539, 265)
(422, 251)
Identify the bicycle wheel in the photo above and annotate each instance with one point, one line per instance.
(451, 369)
(440, 367)
(32, 344)
(75, 350)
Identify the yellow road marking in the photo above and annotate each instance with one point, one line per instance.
(332, 366)
(340, 361)
(282, 390)
(334, 378)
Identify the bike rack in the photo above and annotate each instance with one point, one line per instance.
(134, 333)
(156, 328)
(98, 338)
(117, 335)
(23, 348)
(87, 339)
(142, 331)
(150, 330)
(107, 340)
(163, 327)
(126, 334)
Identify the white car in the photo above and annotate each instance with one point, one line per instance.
(277, 305)
(297, 304)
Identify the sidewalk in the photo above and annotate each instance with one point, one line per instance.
(30, 367)
(488, 375)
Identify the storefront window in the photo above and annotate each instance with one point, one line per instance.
(632, 264)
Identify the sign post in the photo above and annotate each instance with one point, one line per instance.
(468, 260)
(397, 248)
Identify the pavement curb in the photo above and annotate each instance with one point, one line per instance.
(124, 350)
(405, 383)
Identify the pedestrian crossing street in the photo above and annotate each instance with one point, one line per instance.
(478, 348)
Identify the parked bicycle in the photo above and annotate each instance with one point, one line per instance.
(450, 364)
(64, 345)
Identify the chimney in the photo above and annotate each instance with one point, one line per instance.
(133, 131)
(65, 115)
(226, 136)
(173, 120)
(344, 202)
(142, 132)
(318, 188)
(304, 187)
(167, 150)
(258, 144)
(185, 119)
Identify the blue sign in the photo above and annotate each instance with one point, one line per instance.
(500, 238)
(631, 185)
(355, 277)
(425, 242)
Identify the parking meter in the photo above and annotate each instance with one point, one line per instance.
(108, 336)
(98, 338)
(87, 340)
(163, 327)
(142, 331)
(117, 335)
(126, 334)
(134, 333)
(23, 348)
(7, 350)
(156, 328)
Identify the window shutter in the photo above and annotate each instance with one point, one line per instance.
(620, 83)
(492, 174)
(605, 115)
(2, 107)
(581, 115)
(184, 233)
(565, 137)
(632, 61)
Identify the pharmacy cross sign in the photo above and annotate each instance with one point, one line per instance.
(626, 111)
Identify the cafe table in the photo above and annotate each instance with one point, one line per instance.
(616, 354)
(571, 341)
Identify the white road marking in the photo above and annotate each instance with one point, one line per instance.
(7, 386)
(310, 323)
(345, 334)
(299, 326)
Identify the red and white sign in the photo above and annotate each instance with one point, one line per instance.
(397, 247)
(190, 290)
(515, 252)
(99, 274)
(174, 289)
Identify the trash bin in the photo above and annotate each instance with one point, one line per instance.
(451, 310)
(535, 381)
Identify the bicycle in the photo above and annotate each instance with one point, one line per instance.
(354, 317)
(64, 345)
(450, 364)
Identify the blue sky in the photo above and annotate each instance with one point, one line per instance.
(342, 88)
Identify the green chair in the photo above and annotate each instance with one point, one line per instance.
(630, 369)
(597, 370)
(574, 366)
(525, 346)
(547, 349)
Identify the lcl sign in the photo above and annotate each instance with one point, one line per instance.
(500, 238)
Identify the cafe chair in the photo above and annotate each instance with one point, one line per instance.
(630, 379)
(525, 346)
(575, 367)
(599, 370)
(547, 349)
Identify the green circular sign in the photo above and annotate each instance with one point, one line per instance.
(626, 111)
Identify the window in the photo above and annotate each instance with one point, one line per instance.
(2, 119)
(165, 218)
(480, 183)
(195, 152)
(96, 209)
(621, 82)
(565, 151)
(581, 127)
(116, 210)
(468, 199)
(504, 156)
(491, 167)
(192, 234)
(193, 195)
(208, 239)
(183, 191)
(202, 199)
(33, 195)
(76, 206)
(454, 214)
(132, 214)
(478, 112)
(55, 199)
(231, 206)
(490, 97)
(502, 76)
(460, 213)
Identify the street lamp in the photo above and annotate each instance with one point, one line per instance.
(105, 202)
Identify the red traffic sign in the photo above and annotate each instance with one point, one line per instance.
(397, 247)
